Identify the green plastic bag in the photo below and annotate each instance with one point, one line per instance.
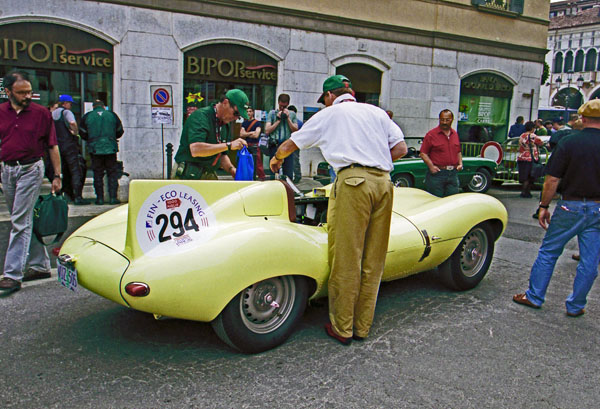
(50, 217)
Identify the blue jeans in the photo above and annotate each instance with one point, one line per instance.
(21, 186)
(571, 218)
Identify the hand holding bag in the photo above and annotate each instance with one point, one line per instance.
(245, 165)
(50, 217)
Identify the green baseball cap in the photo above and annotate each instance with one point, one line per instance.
(334, 82)
(239, 99)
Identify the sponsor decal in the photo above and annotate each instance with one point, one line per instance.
(174, 219)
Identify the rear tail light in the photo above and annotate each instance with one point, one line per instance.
(137, 289)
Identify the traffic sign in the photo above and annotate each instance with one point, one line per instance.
(161, 96)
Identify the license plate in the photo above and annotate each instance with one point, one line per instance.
(67, 275)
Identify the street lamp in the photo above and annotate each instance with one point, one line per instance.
(579, 82)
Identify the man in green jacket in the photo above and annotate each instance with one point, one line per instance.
(207, 137)
(101, 129)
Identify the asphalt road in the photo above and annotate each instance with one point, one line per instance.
(429, 348)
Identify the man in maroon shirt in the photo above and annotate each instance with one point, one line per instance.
(441, 153)
(26, 131)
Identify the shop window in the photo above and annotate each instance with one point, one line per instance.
(366, 81)
(558, 63)
(590, 60)
(484, 103)
(212, 70)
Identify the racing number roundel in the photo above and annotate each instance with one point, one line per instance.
(174, 219)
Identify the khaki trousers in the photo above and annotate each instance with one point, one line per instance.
(359, 215)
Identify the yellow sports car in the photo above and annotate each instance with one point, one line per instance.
(246, 256)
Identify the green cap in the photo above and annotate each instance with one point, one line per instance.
(334, 82)
(239, 99)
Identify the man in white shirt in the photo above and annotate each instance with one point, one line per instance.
(360, 141)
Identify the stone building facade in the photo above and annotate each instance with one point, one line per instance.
(480, 58)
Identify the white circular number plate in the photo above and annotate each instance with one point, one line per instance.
(174, 219)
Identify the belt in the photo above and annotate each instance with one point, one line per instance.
(446, 167)
(21, 162)
(358, 165)
(581, 199)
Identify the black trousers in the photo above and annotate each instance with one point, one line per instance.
(108, 164)
(73, 177)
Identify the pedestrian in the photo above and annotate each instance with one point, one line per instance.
(280, 124)
(563, 131)
(101, 129)
(517, 128)
(540, 129)
(574, 164)
(67, 134)
(250, 130)
(361, 142)
(206, 136)
(441, 153)
(26, 131)
(297, 167)
(528, 152)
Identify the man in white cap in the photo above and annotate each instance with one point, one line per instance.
(574, 164)
(360, 141)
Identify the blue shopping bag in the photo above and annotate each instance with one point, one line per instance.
(245, 165)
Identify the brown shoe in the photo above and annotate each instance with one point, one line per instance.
(522, 299)
(33, 274)
(339, 338)
(8, 285)
(576, 257)
(576, 314)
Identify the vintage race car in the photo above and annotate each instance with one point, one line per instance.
(246, 256)
(476, 175)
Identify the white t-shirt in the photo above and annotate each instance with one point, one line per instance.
(68, 115)
(351, 132)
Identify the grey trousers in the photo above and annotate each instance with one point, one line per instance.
(21, 186)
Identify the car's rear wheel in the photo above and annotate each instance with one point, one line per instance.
(471, 260)
(403, 180)
(263, 315)
(481, 181)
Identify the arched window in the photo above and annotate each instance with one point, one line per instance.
(579, 61)
(590, 60)
(366, 81)
(569, 61)
(558, 63)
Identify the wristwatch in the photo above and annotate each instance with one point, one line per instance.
(543, 206)
(57, 177)
(228, 145)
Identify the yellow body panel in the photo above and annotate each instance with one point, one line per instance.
(249, 238)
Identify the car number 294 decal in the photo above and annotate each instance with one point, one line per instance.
(173, 219)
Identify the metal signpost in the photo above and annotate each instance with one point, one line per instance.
(162, 111)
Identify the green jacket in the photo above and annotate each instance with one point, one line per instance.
(101, 129)
(201, 126)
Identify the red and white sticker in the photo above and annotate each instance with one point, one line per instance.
(174, 219)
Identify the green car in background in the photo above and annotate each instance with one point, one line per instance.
(476, 176)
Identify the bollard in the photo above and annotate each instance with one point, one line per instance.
(169, 159)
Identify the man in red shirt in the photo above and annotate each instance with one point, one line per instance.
(441, 153)
(26, 131)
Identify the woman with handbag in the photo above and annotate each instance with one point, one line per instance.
(528, 158)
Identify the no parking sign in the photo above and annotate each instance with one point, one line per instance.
(162, 104)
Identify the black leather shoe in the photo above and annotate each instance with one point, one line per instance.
(357, 338)
(114, 200)
(99, 201)
(80, 201)
(32, 274)
(8, 285)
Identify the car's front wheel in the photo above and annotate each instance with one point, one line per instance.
(471, 260)
(481, 181)
(263, 315)
(402, 180)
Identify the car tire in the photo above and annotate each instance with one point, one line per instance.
(480, 182)
(263, 315)
(471, 260)
(403, 180)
